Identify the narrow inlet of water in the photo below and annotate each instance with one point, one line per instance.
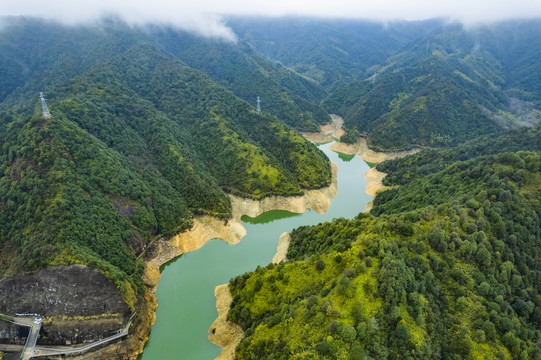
(186, 302)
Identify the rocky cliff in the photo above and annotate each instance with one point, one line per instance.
(78, 304)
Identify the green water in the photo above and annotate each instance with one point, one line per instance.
(186, 303)
(268, 216)
(346, 157)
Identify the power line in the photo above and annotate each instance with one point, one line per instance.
(44, 108)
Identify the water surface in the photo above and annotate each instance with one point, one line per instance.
(186, 302)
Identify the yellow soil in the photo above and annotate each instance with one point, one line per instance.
(281, 250)
(374, 179)
(206, 228)
(227, 334)
(334, 129)
(317, 200)
(368, 207)
(360, 147)
(316, 137)
(327, 132)
(222, 332)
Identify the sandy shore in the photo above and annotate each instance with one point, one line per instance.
(360, 147)
(281, 250)
(224, 333)
(327, 132)
(228, 335)
(206, 228)
(317, 200)
(374, 179)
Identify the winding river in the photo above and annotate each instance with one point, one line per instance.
(187, 306)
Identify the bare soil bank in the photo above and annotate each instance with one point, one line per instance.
(224, 333)
(360, 147)
(227, 334)
(206, 228)
(281, 250)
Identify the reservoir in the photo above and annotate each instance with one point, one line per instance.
(186, 302)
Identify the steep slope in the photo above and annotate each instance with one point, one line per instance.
(453, 277)
(331, 52)
(236, 66)
(36, 53)
(515, 44)
(431, 103)
(137, 144)
(450, 86)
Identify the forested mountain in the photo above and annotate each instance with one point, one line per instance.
(152, 125)
(446, 266)
(138, 143)
(452, 85)
(429, 83)
(36, 53)
(238, 67)
(331, 52)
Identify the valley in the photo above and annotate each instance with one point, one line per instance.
(165, 164)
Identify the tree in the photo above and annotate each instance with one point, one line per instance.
(349, 334)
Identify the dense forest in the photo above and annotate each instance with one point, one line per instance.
(445, 266)
(138, 143)
(427, 83)
(152, 125)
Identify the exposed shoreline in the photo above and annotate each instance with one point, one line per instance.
(360, 147)
(206, 228)
(224, 333)
(281, 250)
(227, 334)
(375, 183)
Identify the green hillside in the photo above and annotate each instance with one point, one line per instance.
(138, 143)
(330, 52)
(291, 97)
(36, 53)
(452, 85)
(429, 104)
(446, 266)
(430, 83)
(153, 125)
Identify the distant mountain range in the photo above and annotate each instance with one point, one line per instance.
(152, 125)
(139, 141)
(423, 83)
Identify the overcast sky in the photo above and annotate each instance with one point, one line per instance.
(204, 15)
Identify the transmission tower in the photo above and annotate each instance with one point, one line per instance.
(258, 105)
(44, 108)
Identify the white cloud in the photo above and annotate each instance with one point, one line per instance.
(203, 16)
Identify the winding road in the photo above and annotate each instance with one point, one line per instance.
(34, 323)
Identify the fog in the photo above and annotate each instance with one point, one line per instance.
(205, 16)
